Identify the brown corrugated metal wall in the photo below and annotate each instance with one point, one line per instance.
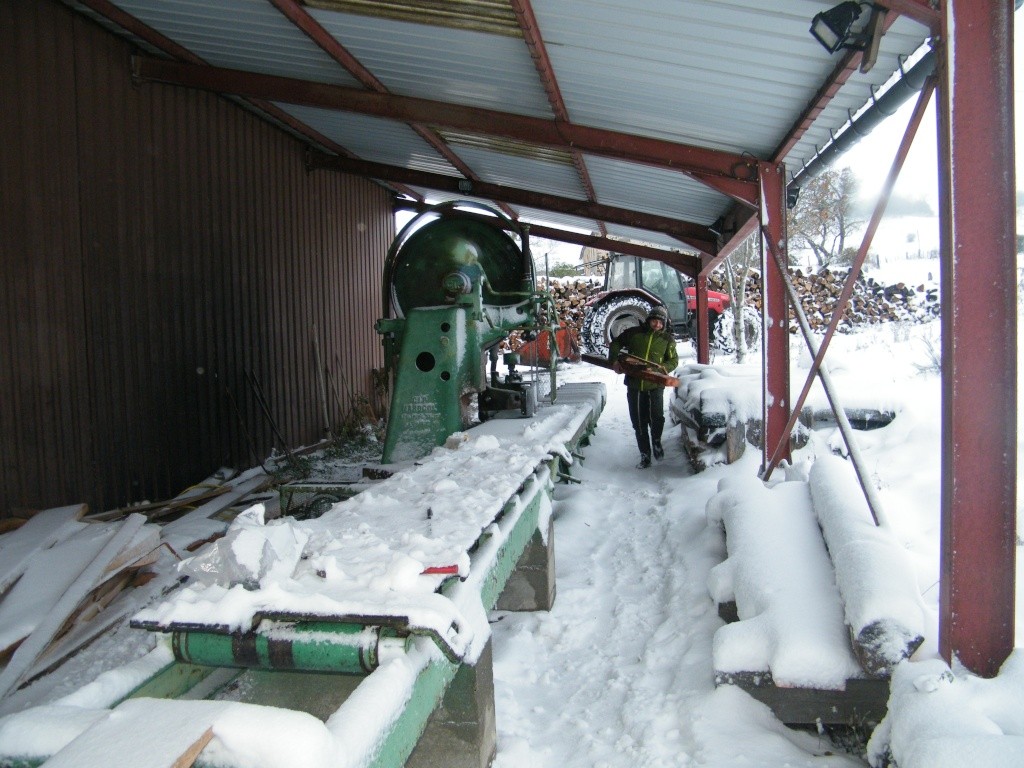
(158, 246)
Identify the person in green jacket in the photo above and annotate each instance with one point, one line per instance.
(646, 399)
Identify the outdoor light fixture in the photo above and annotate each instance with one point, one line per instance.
(833, 28)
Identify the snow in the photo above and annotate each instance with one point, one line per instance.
(370, 555)
(873, 572)
(780, 576)
(621, 672)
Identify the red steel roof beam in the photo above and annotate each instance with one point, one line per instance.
(979, 334)
(309, 26)
(701, 318)
(539, 53)
(775, 312)
(735, 173)
(696, 236)
(918, 10)
(858, 261)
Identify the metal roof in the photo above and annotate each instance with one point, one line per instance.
(743, 78)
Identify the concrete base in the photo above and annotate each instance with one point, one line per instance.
(461, 732)
(531, 587)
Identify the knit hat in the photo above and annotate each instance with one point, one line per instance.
(658, 313)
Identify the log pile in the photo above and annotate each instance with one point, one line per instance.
(871, 303)
(570, 295)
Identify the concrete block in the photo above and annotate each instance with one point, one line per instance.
(531, 587)
(461, 732)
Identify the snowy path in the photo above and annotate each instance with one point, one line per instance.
(619, 673)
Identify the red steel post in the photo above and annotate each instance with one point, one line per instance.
(857, 265)
(979, 307)
(701, 325)
(775, 310)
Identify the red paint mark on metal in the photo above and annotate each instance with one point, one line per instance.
(440, 570)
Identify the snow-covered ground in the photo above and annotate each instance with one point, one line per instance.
(620, 673)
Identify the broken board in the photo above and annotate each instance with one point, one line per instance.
(43, 530)
(37, 642)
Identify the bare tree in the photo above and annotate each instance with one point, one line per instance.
(822, 220)
(742, 324)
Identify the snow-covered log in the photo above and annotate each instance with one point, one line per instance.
(881, 600)
(780, 577)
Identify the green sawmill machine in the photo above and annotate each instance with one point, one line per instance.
(456, 285)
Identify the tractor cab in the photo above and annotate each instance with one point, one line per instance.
(633, 286)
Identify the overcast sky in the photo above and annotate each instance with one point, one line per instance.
(918, 182)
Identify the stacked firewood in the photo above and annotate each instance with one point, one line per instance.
(570, 295)
(871, 302)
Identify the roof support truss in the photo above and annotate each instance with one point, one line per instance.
(693, 235)
(686, 263)
(733, 174)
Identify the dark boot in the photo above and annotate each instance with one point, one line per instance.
(643, 442)
(659, 452)
(645, 461)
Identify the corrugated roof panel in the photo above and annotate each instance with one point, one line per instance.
(240, 34)
(507, 146)
(538, 173)
(374, 139)
(455, 65)
(654, 190)
(493, 16)
(728, 75)
(527, 215)
(557, 220)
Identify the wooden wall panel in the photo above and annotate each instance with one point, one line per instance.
(161, 249)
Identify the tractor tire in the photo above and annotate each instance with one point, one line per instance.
(691, 329)
(723, 340)
(608, 319)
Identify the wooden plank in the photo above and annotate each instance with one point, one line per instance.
(52, 571)
(164, 734)
(863, 700)
(43, 530)
(50, 574)
(158, 509)
(36, 643)
(212, 507)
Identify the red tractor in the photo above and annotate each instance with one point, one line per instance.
(633, 286)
